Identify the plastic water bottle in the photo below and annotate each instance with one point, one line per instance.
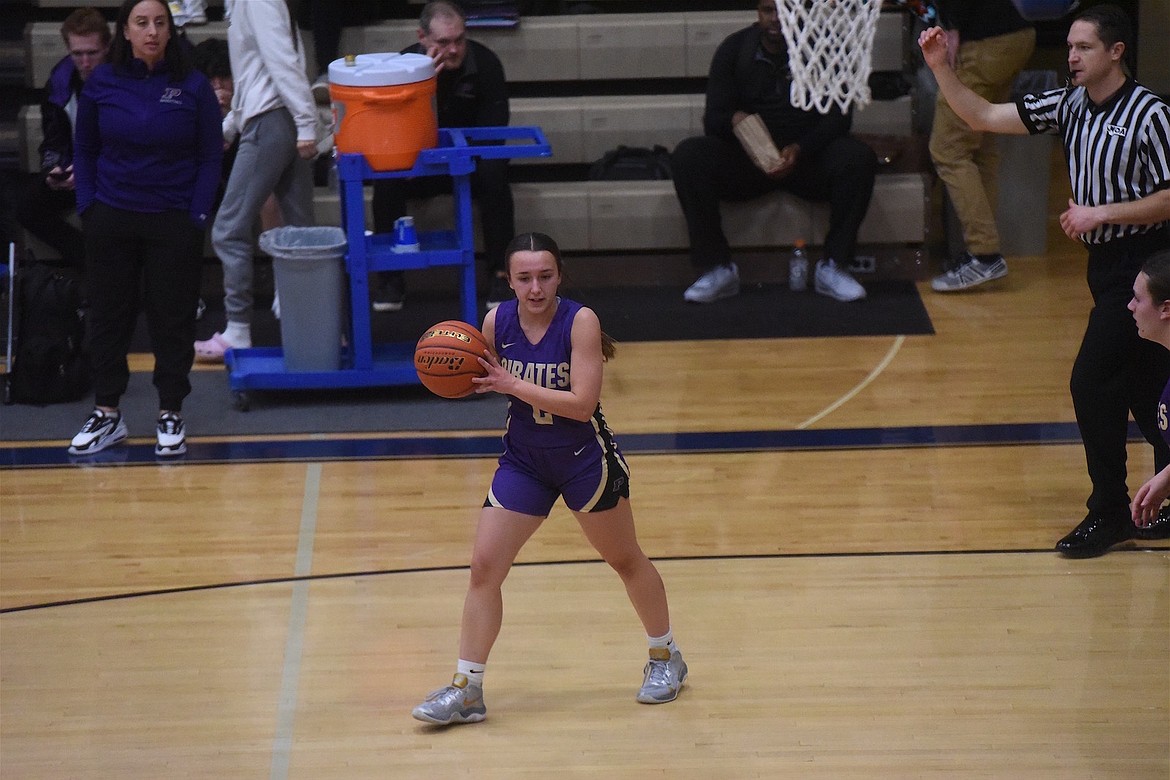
(798, 268)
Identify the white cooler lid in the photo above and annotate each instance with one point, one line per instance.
(381, 70)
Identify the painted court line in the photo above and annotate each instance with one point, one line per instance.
(874, 374)
(294, 644)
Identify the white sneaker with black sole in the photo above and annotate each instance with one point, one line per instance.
(172, 435)
(101, 430)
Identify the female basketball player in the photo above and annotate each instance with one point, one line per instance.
(548, 360)
(1150, 306)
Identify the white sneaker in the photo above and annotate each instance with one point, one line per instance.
(835, 283)
(172, 435)
(971, 272)
(101, 430)
(722, 281)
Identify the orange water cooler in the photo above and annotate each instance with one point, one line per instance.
(384, 107)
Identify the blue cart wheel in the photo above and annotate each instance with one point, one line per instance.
(240, 400)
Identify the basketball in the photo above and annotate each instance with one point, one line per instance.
(445, 358)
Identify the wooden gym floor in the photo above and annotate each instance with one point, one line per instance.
(855, 535)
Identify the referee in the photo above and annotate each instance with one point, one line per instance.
(1116, 136)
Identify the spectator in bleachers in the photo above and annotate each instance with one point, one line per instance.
(471, 92)
(989, 43)
(274, 115)
(819, 161)
(148, 151)
(212, 59)
(50, 195)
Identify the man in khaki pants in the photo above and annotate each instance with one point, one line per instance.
(990, 44)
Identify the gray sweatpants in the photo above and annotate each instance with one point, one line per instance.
(267, 163)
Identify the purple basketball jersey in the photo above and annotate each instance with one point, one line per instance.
(546, 364)
(1162, 416)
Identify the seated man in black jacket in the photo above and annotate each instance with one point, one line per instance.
(50, 198)
(470, 92)
(818, 161)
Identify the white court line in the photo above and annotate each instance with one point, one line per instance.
(874, 374)
(291, 672)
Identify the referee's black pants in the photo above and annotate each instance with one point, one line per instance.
(149, 261)
(707, 170)
(1117, 373)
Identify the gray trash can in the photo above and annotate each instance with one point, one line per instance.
(310, 279)
(1025, 163)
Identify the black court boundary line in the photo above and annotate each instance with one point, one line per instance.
(529, 564)
(478, 445)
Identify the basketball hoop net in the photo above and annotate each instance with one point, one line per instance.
(830, 43)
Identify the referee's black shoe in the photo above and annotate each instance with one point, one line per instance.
(1159, 527)
(1095, 535)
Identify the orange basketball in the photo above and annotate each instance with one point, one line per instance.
(445, 358)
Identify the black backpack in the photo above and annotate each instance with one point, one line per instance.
(627, 163)
(50, 364)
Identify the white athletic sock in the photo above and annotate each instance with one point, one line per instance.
(666, 640)
(472, 671)
(238, 334)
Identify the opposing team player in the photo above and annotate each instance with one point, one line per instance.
(548, 360)
(1116, 136)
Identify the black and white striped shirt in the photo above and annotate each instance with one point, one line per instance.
(1117, 152)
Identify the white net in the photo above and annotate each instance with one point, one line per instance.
(829, 47)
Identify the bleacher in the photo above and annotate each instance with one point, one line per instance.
(595, 81)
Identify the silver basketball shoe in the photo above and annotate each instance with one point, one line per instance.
(459, 702)
(663, 677)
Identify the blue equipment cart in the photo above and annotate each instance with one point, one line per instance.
(364, 363)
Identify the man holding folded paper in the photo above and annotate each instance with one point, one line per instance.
(756, 142)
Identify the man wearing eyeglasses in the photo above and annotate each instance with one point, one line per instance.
(50, 197)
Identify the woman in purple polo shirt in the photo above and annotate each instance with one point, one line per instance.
(147, 164)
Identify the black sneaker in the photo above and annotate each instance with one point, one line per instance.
(172, 435)
(101, 430)
(389, 294)
(500, 291)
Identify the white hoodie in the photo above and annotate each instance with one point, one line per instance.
(268, 72)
